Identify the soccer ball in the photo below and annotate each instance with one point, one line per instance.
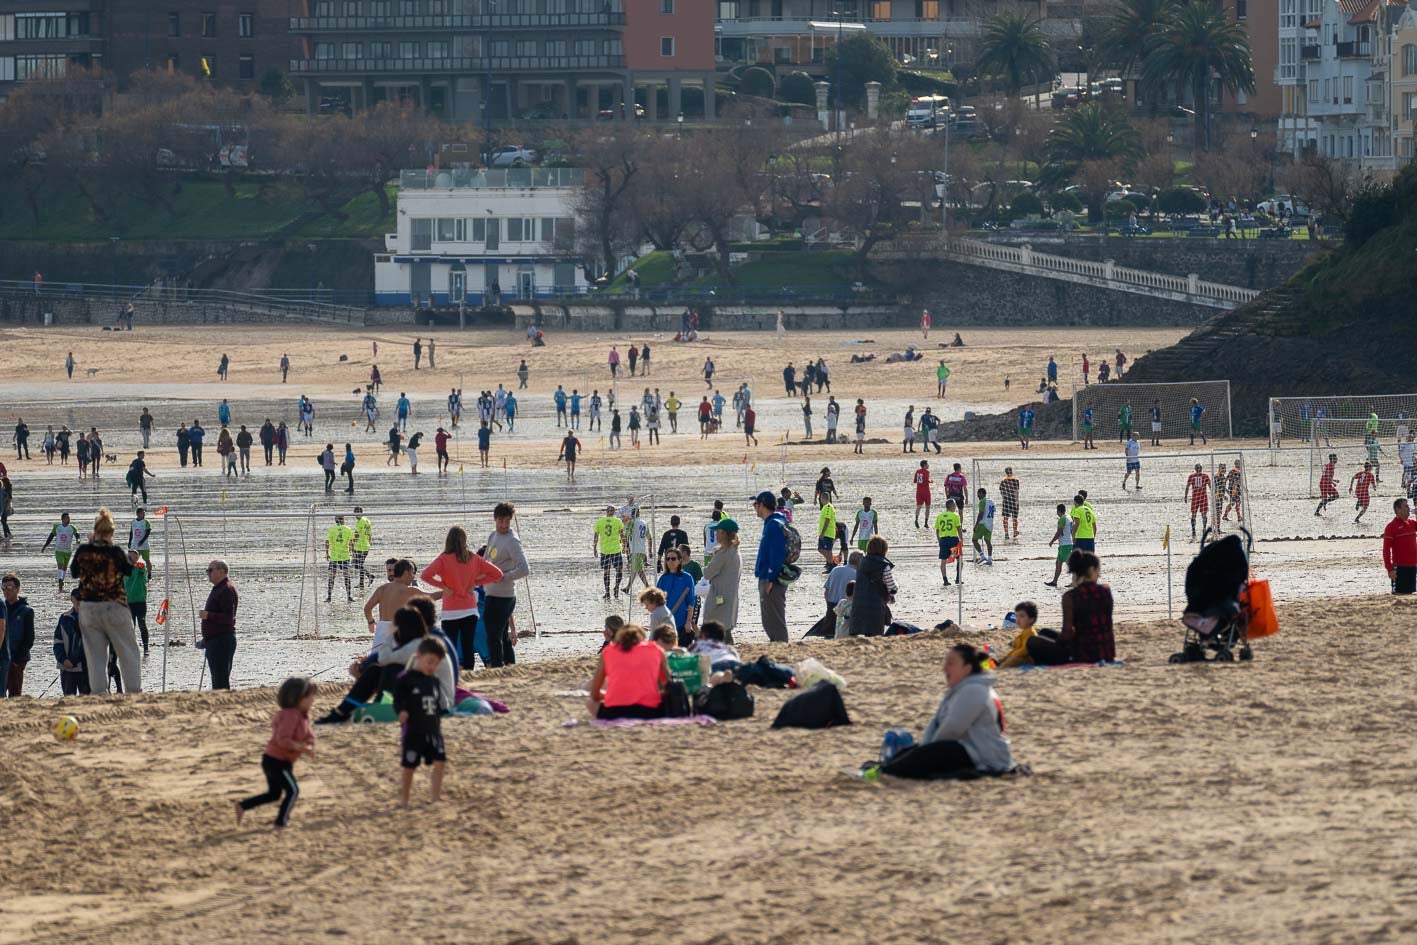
(66, 729)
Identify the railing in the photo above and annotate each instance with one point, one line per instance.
(291, 303)
(1354, 50)
(1309, 52)
(512, 178)
(460, 64)
(484, 21)
(728, 296)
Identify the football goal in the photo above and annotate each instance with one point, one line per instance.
(1106, 406)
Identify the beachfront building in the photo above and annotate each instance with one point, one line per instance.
(1401, 70)
(481, 237)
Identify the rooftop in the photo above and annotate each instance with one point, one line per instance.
(509, 178)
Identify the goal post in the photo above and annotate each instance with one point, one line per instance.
(1108, 401)
(1340, 420)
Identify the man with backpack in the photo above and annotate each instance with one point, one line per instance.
(777, 553)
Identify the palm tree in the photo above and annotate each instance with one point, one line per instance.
(1127, 30)
(1014, 48)
(1092, 133)
(1197, 44)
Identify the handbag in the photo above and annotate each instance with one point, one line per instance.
(1258, 601)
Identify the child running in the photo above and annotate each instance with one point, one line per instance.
(1198, 492)
(1361, 486)
(291, 737)
(417, 698)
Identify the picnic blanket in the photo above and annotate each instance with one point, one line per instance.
(1105, 664)
(627, 723)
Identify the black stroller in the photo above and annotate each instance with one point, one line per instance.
(1215, 619)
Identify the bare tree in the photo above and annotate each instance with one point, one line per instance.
(657, 204)
(612, 158)
(384, 139)
(887, 181)
(1327, 186)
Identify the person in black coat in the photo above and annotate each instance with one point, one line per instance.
(875, 591)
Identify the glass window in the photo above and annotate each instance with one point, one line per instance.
(408, 50)
(40, 67)
(447, 230)
(174, 24)
(351, 51)
(880, 10)
(246, 25)
(930, 9)
(585, 47)
(437, 50)
(437, 7)
(666, 7)
(324, 50)
(1348, 90)
(7, 68)
(548, 229)
(514, 230)
(556, 48)
(479, 230)
(501, 48)
(206, 64)
(526, 48)
(1240, 9)
(1409, 59)
(408, 8)
(1288, 19)
(382, 49)
(208, 25)
(666, 45)
(246, 66)
(379, 8)
(563, 275)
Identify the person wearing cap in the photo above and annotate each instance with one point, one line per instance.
(772, 555)
(723, 571)
(337, 552)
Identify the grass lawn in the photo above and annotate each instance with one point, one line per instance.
(821, 270)
(201, 209)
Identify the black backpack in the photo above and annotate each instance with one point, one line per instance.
(818, 707)
(726, 701)
(675, 701)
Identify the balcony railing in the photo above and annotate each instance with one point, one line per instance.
(495, 178)
(1309, 52)
(484, 21)
(459, 64)
(1354, 50)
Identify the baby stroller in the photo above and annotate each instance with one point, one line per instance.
(1215, 619)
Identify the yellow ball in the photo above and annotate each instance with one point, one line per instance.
(66, 728)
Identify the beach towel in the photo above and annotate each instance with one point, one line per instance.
(1105, 664)
(627, 723)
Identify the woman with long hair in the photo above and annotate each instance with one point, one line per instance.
(104, 618)
(457, 572)
(723, 572)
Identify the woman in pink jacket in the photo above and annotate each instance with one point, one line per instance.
(458, 573)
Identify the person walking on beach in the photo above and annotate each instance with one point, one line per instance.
(267, 436)
(327, 463)
(223, 367)
(196, 435)
(284, 367)
(22, 440)
(609, 545)
(522, 374)
(772, 555)
(363, 539)
(16, 633)
(282, 442)
(183, 444)
(291, 737)
(137, 477)
(243, 446)
(104, 621)
(69, 365)
(432, 354)
(614, 360)
(145, 427)
(570, 446)
(499, 600)
(347, 467)
(226, 449)
(393, 441)
(417, 352)
(402, 409)
(417, 697)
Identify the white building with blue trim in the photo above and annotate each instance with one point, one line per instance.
(481, 236)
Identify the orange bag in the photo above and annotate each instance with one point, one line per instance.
(1258, 602)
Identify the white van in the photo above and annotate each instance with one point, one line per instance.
(927, 111)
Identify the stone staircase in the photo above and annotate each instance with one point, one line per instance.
(1271, 314)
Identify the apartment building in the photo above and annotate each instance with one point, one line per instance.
(1401, 54)
(798, 33)
(48, 40)
(488, 60)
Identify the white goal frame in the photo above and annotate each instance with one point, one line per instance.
(1141, 423)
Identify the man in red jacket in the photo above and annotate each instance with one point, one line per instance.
(1400, 549)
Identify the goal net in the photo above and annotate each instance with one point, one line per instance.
(1108, 402)
(1130, 522)
(1340, 421)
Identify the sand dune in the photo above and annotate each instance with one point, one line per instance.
(1267, 802)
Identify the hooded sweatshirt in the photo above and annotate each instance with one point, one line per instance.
(971, 714)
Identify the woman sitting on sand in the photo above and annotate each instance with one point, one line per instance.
(630, 678)
(1087, 619)
(967, 733)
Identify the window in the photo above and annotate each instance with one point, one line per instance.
(548, 229)
(1313, 90)
(501, 48)
(46, 25)
(585, 47)
(324, 50)
(174, 24)
(1240, 9)
(206, 64)
(408, 50)
(666, 46)
(246, 66)
(611, 47)
(880, 10)
(408, 8)
(351, 8)
(479, 230)
(7, 68)
(1288, 57)
(246, 25)
(381, 50)
(1409, 59)
(447, 231)
(1409, 104)
(208, 25)
(437, 49)
(556, 48)
(421, 234)
(666, 7)
(7, 30)
(1288, 18)
(40, 67)
(325, 8)
(437, 7)
(728, 9)
(563, 275)
(521, 230)
(927, 9)
(351, 51)
(379, 8)
(1348, 90)
(526, 48)
(173, 64)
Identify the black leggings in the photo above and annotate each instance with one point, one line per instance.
(1046, 649)
(463, 632)
(931, 760)
(280, 780)
(629, 712)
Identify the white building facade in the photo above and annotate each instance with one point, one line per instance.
(481, 237)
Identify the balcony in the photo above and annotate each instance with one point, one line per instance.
(487, 64)
(483, 21)
(1309, 53)
(1354, 50)
(510, 178)
(81, 45)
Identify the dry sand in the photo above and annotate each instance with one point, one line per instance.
(1264, 803)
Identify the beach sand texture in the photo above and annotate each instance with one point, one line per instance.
(1264, 803)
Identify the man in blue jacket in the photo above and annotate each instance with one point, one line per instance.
(772, 555)
(19, 634)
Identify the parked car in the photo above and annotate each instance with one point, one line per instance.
(1270, 205)
(610, 114)
(1068, 96)
(511, 155)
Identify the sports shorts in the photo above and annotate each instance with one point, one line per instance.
(982, 532)
(1133, 464)
(947, 547)
(637, 561)
(1156, 427)
(825, 544)
(613, 560)
(1084, 544)
(422, 749)
(61, 559)
(1064, 551)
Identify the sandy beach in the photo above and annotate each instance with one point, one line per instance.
(1265, 802)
